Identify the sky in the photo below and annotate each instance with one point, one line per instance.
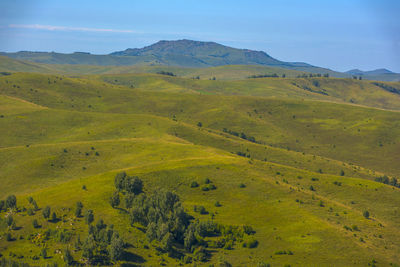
(341, 34)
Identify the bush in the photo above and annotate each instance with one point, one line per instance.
(366, 214)
(35, 224)
(205, 188)
(194, 184)
(250, 243)
(217, 204)
(43, 253)
(207, 181)
(54, 217)
(30, 212)
(89, 216)
(78, 209)
(46, 212)
(68, 259)
(11, 202)
(242, 185)
(9, 237)
(212, 187)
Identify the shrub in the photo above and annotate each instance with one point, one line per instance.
(30, 212)
(194, 184)
(89, 216)
(11, 202)
(212, 187)
(68, 259)
(205, 188)
(312, 188)
(250, 243)
(46, 212)
(2, 205)
(54, 217)
(217, 204)
(207, 181)
(114, 200)
(242, 185)
(9, 237)
(366, 214)
(35, 223)
(78, 209)
(43, 253)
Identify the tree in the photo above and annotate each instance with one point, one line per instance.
(199, 124)
(9, 220)
(46, 212)
(342, 173)
(366, 214)
(89, 216)
(133, 185)
(35, 206)
(68, 259)
(114, 200)
(35, 223)
(43, 253)
(89, 248)
(119, 180)
(53, 216)
(30, 200)
(11, 202)
(116, 247)
(167, 242)
(284, 75)
(2, 204)
(78, 209)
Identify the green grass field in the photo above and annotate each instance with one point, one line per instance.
(302, 178)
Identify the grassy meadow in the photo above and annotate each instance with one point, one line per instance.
(296, 159)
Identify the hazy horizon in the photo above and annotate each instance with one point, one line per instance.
(340, 35)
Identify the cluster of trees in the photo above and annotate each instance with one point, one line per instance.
(102, 244)
(167, 223)
(387, 87)
(311, 75)
(386, 180)
(241, 135)
(166, 73)
(10, 203)
(274, 75)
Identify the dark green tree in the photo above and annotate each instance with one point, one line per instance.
(133, 185)
(89, 216)
(11, 202)
(114, 199)
(35, 223)
(116, 247)
(46, 212)
(119, 180)
(78, 209)
(2, 205)
(68, 259)
(366, 214)
(54, 217)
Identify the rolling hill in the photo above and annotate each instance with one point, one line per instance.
(292, 160)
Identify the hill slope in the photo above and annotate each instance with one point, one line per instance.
(297, 173)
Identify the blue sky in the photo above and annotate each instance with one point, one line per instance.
(336, 34)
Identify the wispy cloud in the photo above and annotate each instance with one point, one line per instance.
(65, 28)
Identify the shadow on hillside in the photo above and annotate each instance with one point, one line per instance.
(132, 258)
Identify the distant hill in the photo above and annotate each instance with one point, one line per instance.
(378, 74)
(180, 53)
(189, 54)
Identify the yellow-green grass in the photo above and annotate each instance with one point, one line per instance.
(314, 234)
(50, 136)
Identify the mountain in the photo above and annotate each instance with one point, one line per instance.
(181, 53)
(378, 74)
(189, 54)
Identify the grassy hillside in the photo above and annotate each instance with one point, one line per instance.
(296, 165)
